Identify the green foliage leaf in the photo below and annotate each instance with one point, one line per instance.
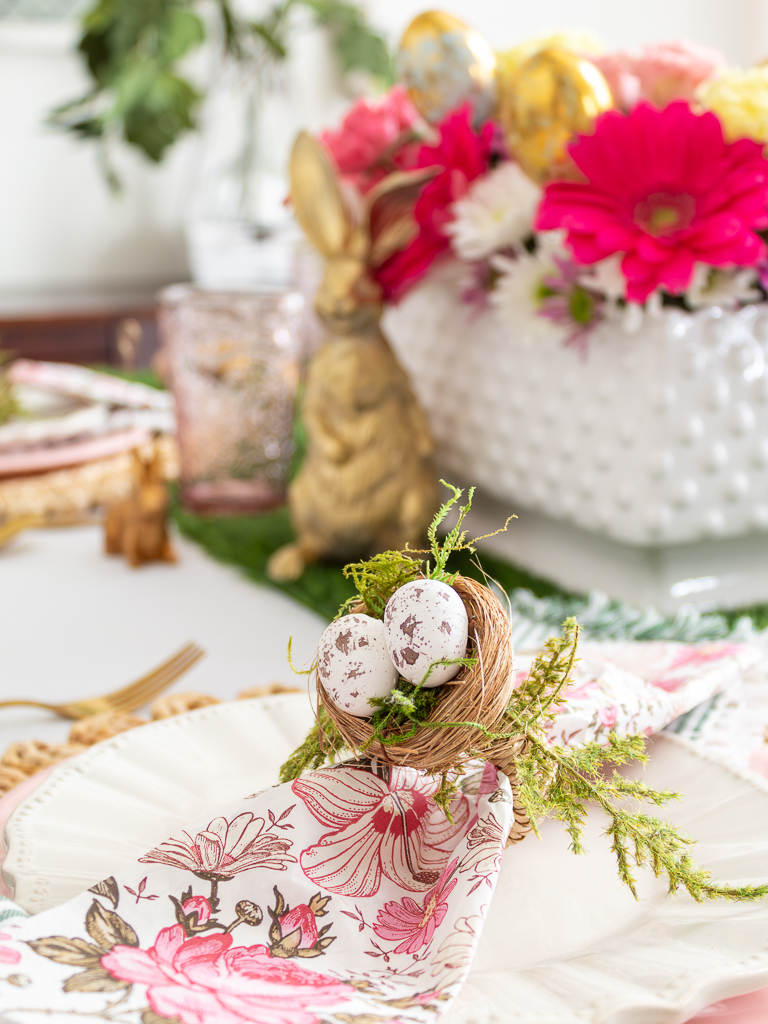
(180, 31)
(74, 952)
(150, 1017)
(159, 114)
(107, 887)
(357, 46)
(96, 979)
(108, 929)
(132, 48)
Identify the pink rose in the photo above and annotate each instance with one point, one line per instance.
(374, 139)
(617, 69)
(659, 72)
(205, 978)
(671, 71)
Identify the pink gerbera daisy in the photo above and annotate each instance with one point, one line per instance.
(463, 154)
(665, 189)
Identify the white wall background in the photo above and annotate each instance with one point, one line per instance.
(62, 233)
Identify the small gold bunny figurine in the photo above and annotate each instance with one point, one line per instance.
(367, 482)
(136, 527)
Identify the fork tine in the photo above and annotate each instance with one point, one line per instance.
(170, 663)
(159, 680)
(137, 696)
(148, 692)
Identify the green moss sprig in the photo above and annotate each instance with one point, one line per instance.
(322, 744)
(377, 579)
(455, 539)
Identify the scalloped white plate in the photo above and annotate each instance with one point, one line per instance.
(564, 942)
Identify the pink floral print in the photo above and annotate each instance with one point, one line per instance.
(282, 949)
(226, 848)
(690, 659)
(206, 979)
(413, 924)
(485, 846)
(608, 716)
(631, 687)
(380, 826)
(198, 905)
(300, 919)
(8, 956)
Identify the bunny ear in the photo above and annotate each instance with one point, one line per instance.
(390, 212)
(317, 198)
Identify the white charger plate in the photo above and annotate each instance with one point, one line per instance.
(564, 942)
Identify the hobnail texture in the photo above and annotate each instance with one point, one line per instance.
(654, 438)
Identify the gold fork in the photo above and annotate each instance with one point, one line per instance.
(130, 697)
(9, 530)
(13, 527)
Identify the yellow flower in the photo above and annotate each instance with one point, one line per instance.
(740, 100)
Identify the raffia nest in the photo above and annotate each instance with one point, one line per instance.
(479, 694)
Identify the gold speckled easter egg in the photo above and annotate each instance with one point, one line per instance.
(445, 63)
(551, 97)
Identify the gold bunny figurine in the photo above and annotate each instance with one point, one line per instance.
(367, 482)
(137, 527)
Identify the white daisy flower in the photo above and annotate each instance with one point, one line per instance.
(606, 277)
(711, 286)
(517, 296)
(497, 213)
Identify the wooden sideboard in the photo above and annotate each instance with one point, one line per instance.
(114, 337)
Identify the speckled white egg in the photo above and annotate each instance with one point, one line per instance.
(426, 621)
(353, 663)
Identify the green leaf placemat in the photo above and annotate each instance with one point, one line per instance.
(248, 541)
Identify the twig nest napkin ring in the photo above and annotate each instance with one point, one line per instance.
(486, 678)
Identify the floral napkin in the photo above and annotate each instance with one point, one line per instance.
(345, 897)
(632, 687)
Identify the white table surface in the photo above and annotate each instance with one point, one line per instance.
(77, 623)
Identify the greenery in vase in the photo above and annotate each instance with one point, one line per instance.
(132, 50)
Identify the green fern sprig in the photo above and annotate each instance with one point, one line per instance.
(561, 783)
